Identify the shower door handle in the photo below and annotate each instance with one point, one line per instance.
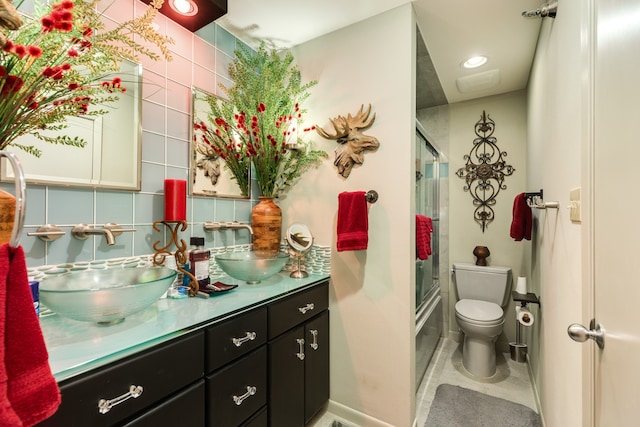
(579, 333)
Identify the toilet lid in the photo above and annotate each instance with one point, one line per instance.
(479, 311)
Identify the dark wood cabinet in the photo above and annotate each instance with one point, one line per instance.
(266, 366)
(298, 358)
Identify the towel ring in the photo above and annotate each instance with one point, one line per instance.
(21, 190)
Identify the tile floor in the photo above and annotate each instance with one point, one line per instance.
(511, 382)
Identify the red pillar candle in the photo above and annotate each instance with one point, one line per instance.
(175, 200)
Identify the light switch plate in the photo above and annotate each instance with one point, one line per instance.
(575, 214)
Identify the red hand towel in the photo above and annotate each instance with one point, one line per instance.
(424, 227)
(522, 219)
(353, 223)
(28, 391)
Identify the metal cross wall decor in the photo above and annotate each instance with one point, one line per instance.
(485, 171)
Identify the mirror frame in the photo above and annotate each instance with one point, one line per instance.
(30, 162)
(199, 185)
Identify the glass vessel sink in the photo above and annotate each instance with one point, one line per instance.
(105, 296)
(251, 266)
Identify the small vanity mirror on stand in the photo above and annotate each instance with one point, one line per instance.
(300, 241)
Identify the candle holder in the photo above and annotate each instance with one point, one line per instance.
(180, 253)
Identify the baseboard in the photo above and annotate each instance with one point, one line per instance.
(354, 417)
(536, 395)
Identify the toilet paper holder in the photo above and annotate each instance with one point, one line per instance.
(518, 349)
(525, 299)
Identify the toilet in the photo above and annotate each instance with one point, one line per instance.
(482, 292)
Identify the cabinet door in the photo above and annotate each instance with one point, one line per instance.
(316, 369)
(286, 379)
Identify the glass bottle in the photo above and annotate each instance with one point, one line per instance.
(199, 261)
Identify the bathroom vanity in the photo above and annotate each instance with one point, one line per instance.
(255, 356)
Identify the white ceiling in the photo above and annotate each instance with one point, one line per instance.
(453, 30)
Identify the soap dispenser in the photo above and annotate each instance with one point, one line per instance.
(199, 261)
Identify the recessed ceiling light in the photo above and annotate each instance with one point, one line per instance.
(184, 7)
(475, 62)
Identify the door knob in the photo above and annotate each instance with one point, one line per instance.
(579, 333)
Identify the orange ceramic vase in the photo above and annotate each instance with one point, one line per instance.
(266, 221)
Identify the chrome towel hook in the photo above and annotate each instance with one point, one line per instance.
(21, 190)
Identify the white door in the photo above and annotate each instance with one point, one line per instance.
(616, 213)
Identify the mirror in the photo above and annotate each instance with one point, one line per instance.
(111, 158)
(210, 176)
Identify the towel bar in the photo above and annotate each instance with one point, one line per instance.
(371, 196)
(536, 200)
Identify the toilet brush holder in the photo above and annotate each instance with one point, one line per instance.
(518, 352)
(517, 349)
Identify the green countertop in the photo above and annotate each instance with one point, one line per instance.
(76, 347)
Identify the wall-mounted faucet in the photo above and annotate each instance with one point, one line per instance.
(222, 226)
(109, 231)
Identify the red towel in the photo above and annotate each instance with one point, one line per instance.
(28, 391)
(353, 223)
(522, 219)
(424, 228)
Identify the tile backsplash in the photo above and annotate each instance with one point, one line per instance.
(199, 60)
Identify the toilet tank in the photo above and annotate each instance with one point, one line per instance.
(484, 283)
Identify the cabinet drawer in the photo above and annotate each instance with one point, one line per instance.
(237, 391)
(160, 372)
(285, 314)
(235, 337)
(186, 408)
(258, 420)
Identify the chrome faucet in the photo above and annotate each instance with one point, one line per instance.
(222, 226)
(109, 231)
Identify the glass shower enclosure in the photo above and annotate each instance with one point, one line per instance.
(428, 300)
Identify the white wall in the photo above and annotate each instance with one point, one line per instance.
(557, 126)
(509, 113)
(372, 291)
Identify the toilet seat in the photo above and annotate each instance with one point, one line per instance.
(479, 312)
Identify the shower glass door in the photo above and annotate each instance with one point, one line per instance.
(427, 175)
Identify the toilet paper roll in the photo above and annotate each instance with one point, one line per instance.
(521, 285)
(524, 316)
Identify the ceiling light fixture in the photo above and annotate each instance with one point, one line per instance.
(184, 7)
(193, 14)
(475, 62)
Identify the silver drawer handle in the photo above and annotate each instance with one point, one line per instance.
(105, 405)
(314, 344)
(249, 337)
(306, 308)
(251, 390)
(300, 354)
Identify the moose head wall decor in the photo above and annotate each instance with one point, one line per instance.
(353, 143)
